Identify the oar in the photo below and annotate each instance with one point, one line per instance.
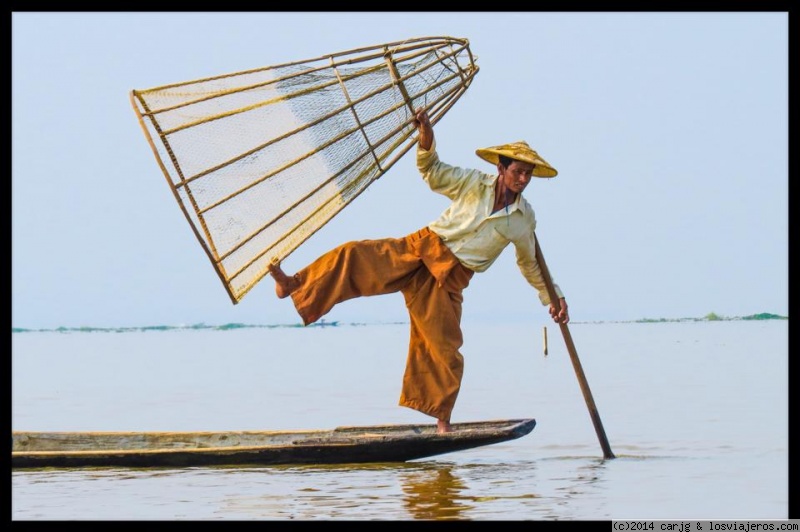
(573, 355)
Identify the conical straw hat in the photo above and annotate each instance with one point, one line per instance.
(521, 152)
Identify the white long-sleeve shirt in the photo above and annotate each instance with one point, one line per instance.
(468, 227)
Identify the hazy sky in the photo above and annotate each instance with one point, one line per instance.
(669, 132)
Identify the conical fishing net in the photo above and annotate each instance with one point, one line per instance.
(260, 160)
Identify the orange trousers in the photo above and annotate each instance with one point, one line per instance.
(431, 280)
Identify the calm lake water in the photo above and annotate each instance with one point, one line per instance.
(695, 412)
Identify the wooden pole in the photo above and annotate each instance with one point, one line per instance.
(573, 355)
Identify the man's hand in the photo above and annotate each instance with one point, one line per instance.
(562, 316)
(423, 124)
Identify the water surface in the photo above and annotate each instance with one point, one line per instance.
(695, 412)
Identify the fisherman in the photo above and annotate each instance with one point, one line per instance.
(432, 266)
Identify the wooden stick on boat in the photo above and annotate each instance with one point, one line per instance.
(573, 354)
(544, 332)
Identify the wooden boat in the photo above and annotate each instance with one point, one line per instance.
(350, 444)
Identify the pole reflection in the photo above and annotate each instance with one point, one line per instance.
(435, 493)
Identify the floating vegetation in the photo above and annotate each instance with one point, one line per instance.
(765, 316)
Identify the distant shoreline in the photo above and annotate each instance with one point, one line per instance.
(764, 316)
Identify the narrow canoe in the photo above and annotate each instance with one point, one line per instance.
(377, 443)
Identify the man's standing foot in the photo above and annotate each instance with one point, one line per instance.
(443, 426)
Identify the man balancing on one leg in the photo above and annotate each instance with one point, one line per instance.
(432, 266)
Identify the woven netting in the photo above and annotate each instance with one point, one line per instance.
(260, 160)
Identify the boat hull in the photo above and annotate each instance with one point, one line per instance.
(381, 443)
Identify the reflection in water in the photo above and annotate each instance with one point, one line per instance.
(434, 493)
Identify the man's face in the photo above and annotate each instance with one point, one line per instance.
(517, 175)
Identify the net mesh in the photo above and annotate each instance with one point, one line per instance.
(260, 160)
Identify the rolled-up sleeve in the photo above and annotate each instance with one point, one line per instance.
(426, 158)
(529, 266)
(443, 178)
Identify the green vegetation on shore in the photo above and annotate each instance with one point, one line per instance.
(712, 316)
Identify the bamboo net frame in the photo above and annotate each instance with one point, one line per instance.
(260, 160)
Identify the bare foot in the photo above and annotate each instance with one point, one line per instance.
(284, 284)
(443, 427)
